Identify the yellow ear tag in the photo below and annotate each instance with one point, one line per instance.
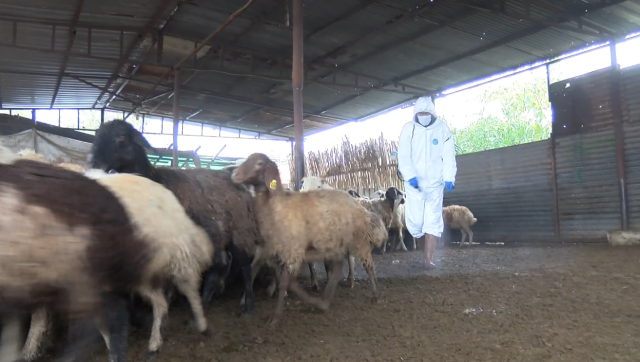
(273, 184)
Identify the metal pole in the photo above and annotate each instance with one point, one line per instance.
(176, 116)
(297, 78)
(554, 173)
(619, 136)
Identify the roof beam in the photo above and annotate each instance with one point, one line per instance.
(567, 16)
(65, 60)
(228, 21)
(404, 18)
(211, 52)
(160, 13)
(351, 12)
(519, 16)
(61, 24)
(417, 35)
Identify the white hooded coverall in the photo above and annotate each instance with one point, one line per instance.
(428, 154)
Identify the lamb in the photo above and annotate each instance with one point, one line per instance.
(319, 225)
(206, 195)
(459, 217)
(94, 243)
(384, 208)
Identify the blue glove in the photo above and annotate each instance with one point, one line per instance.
(448, 185)
(414, 182)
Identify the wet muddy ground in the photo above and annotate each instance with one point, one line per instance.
(484, 303)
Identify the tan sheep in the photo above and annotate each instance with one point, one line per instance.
(319, 225)
(620, 237)
(459, 217)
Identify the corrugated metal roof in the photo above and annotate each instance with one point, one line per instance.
(360, 56)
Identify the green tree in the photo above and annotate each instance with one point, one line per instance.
(522, 118)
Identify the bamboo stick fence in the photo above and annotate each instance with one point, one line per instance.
(365, 166)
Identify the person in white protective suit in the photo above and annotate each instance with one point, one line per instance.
(427, 164)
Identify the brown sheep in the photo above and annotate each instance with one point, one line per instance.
(459, 217)
(208, 196)
(319, 225)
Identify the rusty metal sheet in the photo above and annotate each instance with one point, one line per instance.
(508, 190)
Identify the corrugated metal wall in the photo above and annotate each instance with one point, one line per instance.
(508, 190)
(588, 195)
(631, 113)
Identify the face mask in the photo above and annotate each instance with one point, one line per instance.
(425, 120)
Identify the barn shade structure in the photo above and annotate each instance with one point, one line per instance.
(231, 63)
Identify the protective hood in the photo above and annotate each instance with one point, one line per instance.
(424, 104)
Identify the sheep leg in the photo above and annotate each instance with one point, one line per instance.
(314, 277)
(350, 278)
(256, 265)
(114, 326)
(248, 275)
(284, 284)
(80, 337)
(330, 289)
(189, 288)
(415, 246)
(367, 263)
(10, 339)
(297, 289)
(37, 329)
(211, 279)
(464, 236)
(401, 241)
(160, 308)
(469, 233)
(352, 265)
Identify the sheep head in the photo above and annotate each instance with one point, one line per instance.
(314, 182)
(121, 148)
(260, 172)
(392, 195)
(354, 193)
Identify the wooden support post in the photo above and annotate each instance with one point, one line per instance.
(297, 81)
(176, 116)
(619, 137)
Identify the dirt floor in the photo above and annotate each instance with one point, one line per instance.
(484, 303)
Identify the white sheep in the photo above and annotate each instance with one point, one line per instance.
(319, 225)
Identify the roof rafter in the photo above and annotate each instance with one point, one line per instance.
(65, 60)
(567, 16)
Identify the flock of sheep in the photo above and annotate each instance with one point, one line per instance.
(85, 245)
(455, 216)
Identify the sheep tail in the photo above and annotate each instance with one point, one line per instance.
(473, 220)
(375, 230)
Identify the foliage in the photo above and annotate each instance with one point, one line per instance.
(522, 118)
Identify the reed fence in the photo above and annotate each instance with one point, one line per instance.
(365, 166)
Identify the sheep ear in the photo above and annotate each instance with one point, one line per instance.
(272, 176)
